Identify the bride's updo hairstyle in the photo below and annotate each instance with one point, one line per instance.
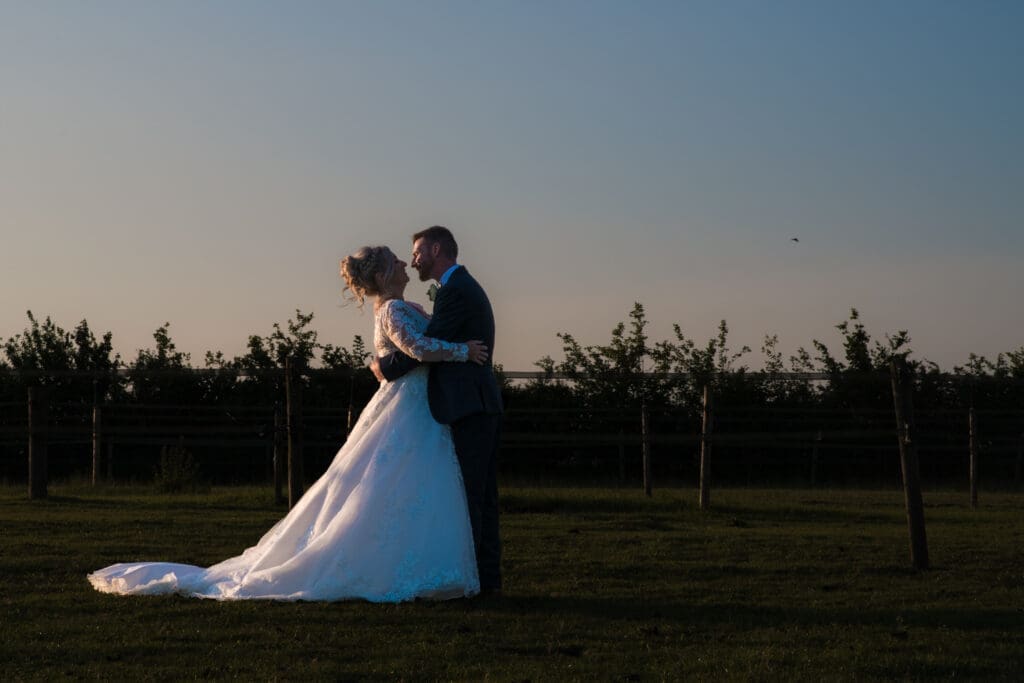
(361, 271)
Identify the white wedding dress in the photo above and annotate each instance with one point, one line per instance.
(387, 521)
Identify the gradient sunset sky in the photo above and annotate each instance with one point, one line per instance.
(208, 164)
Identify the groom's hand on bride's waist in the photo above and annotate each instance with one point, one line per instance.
(375, 369)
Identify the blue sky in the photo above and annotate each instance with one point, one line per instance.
(207, 164)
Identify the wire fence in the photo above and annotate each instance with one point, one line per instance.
(627, 444)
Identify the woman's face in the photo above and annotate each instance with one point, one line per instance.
(399, 277)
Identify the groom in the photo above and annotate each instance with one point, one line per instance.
(462, 395)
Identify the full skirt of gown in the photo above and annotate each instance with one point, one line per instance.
(387, 522)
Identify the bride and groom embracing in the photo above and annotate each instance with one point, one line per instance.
(408, 508)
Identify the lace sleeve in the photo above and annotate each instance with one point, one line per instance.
(419, 309)
(405, 331)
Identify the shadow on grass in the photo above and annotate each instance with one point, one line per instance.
(808, 515)
(171, 609)
(553, 503)
(751, 616)
(157, 502)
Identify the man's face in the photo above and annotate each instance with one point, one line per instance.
(423, 258)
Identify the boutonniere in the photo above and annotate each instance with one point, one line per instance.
(432, 292)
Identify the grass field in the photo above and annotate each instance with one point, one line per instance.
(601, 584)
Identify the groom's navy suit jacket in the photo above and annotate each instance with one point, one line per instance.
(462, 312)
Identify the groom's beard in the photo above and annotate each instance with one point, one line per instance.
(424, 271)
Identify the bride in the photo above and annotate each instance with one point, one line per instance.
(387, 521)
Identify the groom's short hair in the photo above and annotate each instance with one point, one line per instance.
(438, 234)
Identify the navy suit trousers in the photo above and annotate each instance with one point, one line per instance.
(476, 446)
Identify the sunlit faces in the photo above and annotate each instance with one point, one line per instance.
(400, 277)
(424, 255)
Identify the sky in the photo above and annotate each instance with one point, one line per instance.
(207, 164)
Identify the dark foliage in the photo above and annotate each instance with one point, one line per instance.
(579, 416)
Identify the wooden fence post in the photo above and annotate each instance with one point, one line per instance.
(902, 388)
(293, 398)
(972, 425)
(280, 455)
(707, 427)
(645, 438)
(96, 442)
(38, 418)
(95, 433)
(814, 459)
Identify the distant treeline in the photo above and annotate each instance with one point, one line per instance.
(595, 392)
(602, 375)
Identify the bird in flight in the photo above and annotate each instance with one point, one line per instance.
(794, 239)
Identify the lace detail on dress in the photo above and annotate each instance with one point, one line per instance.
(399, 327)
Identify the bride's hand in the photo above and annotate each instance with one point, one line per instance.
(477, 351)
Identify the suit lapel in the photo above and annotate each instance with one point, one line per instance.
(454, 281)
(439, 300)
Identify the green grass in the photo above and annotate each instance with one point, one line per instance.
(600, 583)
